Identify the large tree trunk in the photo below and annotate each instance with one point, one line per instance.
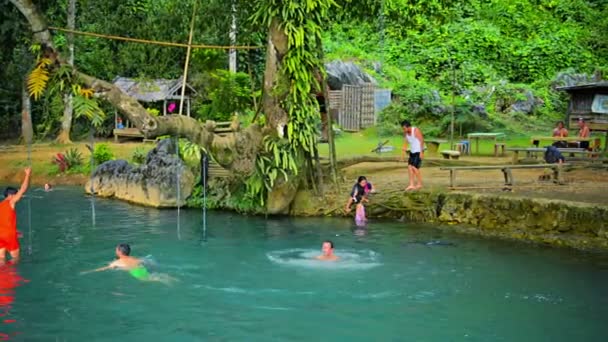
(273, 92)
(27, 131)
(68, 111)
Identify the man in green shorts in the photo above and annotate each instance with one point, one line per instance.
(128, 263)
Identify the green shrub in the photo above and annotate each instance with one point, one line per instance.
(102, 154)
(73, 158)
(139, 156)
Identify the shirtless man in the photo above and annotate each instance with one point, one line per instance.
(328, 252)
(126, 262)
(9, 237)
(583, 132)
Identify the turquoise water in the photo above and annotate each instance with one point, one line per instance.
(253, 280)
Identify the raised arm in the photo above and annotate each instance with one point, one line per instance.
(23, 189)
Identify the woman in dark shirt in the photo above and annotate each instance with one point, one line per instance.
(358, 195)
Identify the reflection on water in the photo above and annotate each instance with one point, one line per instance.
(9, 281)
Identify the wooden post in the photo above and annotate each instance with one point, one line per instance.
(452, 178)
(181, 102)
(164, 107)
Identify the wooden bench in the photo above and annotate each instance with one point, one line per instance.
(433, 144)
(506, 170)
(532, 150)
(447, 154)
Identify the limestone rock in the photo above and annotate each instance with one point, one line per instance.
(151, 184)
(340, 73)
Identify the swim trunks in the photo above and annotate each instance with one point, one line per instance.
(140, 273)
(415, 160)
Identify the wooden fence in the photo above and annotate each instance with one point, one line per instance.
(355, 107)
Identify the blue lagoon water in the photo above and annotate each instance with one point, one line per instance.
(255, 280)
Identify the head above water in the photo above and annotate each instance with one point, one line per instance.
(123, 250)
(10, 191)
(47, 186)
(328, 247)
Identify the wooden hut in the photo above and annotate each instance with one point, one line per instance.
(590, 102)
(154, 93)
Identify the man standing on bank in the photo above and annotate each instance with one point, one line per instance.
(415, 140)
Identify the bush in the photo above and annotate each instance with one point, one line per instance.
(139, 156)
(228, 93)
(73, 158)
(102, 154)
(70, 160)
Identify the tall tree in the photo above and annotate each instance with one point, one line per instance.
(68, 110)
(27, 131)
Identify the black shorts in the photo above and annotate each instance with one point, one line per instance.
(415, 160)
(584, 144)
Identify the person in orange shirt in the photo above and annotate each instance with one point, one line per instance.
(9, 241)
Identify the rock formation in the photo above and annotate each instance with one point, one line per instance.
(151, 184)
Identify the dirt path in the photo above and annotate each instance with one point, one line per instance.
(583, 184)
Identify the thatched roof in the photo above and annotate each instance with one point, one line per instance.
(152, 90)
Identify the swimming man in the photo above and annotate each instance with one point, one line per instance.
(328, 252)
(126, 262)
(9, 237)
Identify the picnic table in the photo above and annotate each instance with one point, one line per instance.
(506, 170)
(532, 150)
(477, 136)
(538, 139)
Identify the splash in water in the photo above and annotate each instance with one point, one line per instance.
(349, 259)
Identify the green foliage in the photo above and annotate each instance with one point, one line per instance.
(302, 22)
(139, 155)
(227, 93)
(492, 54)
(102, 154)
(153, 111)
(190, 153)
(73, 158)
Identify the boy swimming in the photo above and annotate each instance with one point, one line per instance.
(126, 262)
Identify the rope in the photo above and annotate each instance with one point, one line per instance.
(29, 201)
(155, 42)
(178, 170)
(205, 166)
(91, 179)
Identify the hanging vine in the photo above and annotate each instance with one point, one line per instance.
(285, 155)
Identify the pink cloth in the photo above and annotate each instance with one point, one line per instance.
(360, 214)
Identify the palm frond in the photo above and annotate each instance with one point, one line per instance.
(38, 78)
